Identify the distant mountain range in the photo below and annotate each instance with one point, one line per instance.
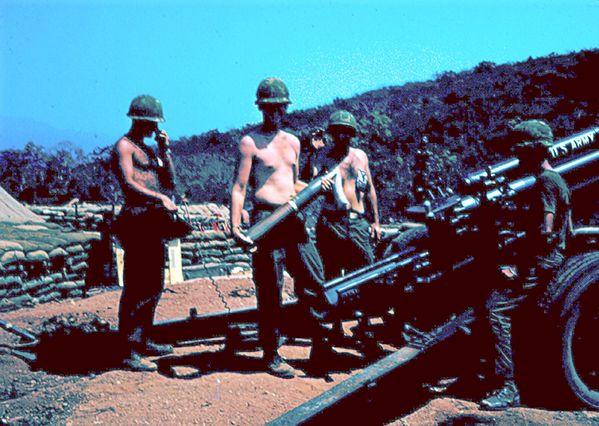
(15, 132)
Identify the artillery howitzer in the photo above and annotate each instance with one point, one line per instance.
(426, 293)
(425, 297)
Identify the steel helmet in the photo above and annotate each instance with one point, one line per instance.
(145, 107)
(272, 91)
(343, 118)
(530, 133)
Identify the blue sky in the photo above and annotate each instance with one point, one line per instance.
(69, 69)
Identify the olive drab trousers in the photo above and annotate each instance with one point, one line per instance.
(535, 273)
(348, 232)
(143, 276)
(287, 246)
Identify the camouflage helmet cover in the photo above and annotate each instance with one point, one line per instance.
(343, 118)
(532, 132)
(272, 91)
(145, 107)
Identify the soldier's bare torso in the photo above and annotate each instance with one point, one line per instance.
(144, 171)
(355, 160)
(274, 165)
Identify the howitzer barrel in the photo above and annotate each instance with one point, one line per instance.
(563, 148)
(577, 164)
(576, 142)
(522, 184)
(495, 169)
(343, 288)
(264, 226)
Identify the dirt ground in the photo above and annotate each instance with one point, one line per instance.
(87, 386)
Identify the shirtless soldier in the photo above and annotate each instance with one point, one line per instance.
(146, 180)
(342, 226)
(271, 157)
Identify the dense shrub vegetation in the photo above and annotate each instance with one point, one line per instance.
(464, 116)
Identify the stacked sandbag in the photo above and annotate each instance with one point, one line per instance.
(41, 262)
(210, 250)
(82, 216)
(213, 253)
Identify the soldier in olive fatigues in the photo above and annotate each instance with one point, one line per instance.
(147, 183)
(270, 156)
(343, 233)
(545, 216)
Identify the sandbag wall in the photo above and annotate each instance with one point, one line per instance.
(41, 262)
(213, 253)
(208, 251)
(81, 216)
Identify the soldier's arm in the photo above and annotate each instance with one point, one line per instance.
(549, 200)
(298, 185)
(170, 179)
(376, 227)
(238, 193)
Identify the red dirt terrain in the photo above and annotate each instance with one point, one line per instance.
(84, 384)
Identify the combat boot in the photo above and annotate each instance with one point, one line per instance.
(276, 366)
(506, 397)
(136, 363)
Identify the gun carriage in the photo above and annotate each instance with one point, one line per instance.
(430, 286)
(432, 281)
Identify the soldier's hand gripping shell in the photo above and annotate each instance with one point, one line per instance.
(240, 236)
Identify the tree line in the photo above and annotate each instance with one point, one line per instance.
(38, 175)
(464, 116)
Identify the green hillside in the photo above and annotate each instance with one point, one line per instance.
(464, 115)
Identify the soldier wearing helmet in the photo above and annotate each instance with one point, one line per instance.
(343, 225)
(272, 91)
(270, 157)
(545, 215)
(147, 180)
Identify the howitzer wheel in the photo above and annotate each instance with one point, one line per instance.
(558, 365)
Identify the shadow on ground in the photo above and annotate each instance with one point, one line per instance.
(191, 366)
